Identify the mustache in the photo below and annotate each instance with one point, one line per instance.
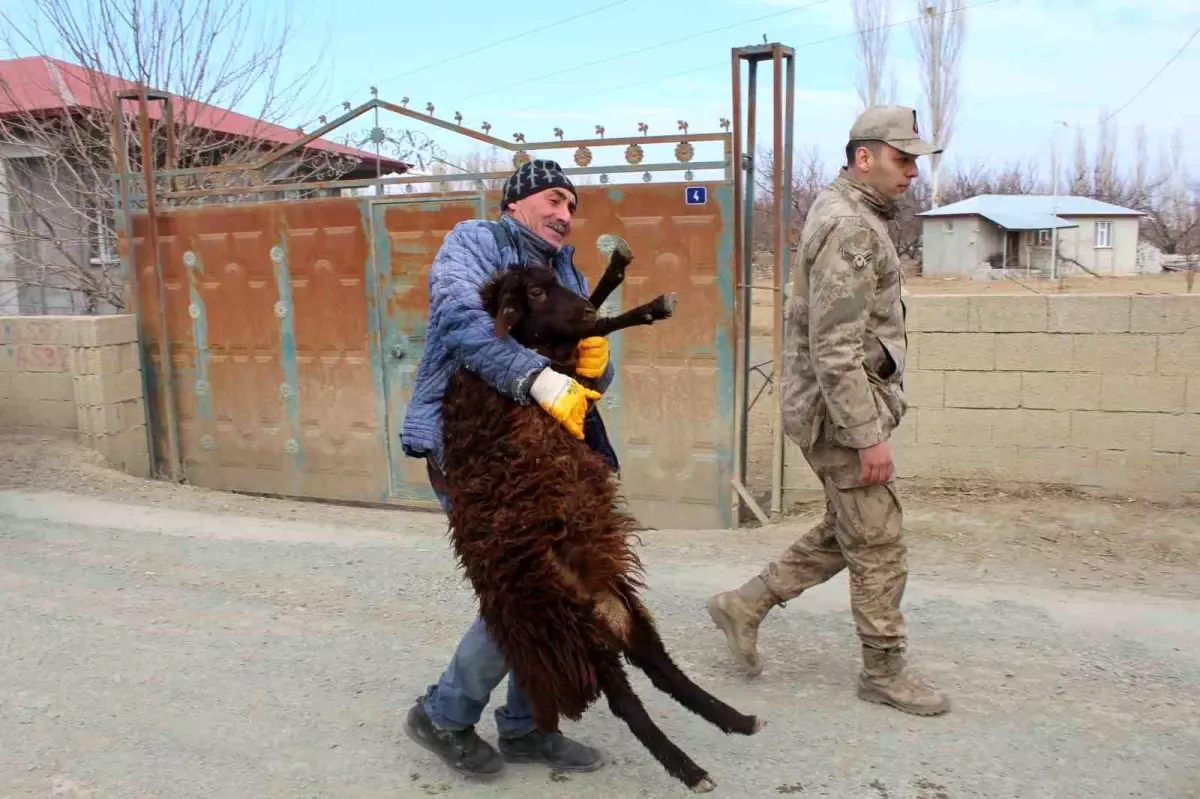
(559, 227)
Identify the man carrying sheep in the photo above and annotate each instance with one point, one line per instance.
(537, 207)
(842, 396)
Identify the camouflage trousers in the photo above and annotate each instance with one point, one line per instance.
(861, 531)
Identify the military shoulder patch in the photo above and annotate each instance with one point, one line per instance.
(857, 247)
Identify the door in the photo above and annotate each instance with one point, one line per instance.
(669, 411)
(405, 236)
(1012, 246)
(266, 308)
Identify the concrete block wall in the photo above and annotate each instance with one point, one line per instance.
(76, 375)
(1096, 392)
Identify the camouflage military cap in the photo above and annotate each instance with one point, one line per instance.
(894, 124)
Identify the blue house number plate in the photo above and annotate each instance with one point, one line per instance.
(696, 195)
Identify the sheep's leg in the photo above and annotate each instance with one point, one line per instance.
(647, 652)
(659, 308)
(614, 274)
(626, 706)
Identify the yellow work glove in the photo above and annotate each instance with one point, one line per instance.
(562, 398)
(592, 356)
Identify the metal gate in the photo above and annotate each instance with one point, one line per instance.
(282, 336)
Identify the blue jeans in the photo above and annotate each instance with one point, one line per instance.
(460, 695)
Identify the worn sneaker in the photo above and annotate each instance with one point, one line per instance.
(886, 679)
(462, 750)
(551, 749)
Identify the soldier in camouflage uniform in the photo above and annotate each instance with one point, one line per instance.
(842, 396)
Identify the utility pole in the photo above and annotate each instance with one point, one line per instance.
(1054, 197)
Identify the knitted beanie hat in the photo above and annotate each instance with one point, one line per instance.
(532, 177)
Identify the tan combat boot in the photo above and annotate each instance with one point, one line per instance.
(887, 680)
(738, 614)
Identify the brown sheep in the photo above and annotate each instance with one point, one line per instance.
(536, 526)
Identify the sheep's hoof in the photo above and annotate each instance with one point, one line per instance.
(664, 306)
(615, 248)
(705, 785)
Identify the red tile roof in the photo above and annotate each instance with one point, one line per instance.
(47, 85)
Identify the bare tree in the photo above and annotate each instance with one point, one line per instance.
(967, 182)
(1104, 180)
(477, 161)
(905, 227)
(1053, 182)
(1172, 220)
(1102, 177)
(939, 36)
(871, 24)
(1141, 175)
(210, 55)
(809, 177)
(1080, 184)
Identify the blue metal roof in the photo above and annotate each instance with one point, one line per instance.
(1027, 221)
(1030, 211)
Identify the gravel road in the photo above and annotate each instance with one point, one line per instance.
(218, 648)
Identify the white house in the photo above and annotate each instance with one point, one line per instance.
(993, 231)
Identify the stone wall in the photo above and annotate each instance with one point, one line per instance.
(1096, 392)
(76, 375)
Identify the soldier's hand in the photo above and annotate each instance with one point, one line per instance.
(877, 463)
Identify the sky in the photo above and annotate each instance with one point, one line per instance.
(1028, 66)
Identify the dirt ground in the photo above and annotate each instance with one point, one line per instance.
(174, 642)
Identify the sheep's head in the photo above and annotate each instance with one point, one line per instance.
(530, 304)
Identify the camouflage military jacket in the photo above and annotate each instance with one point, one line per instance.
(845, 341)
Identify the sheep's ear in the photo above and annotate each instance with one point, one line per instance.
(507, 318)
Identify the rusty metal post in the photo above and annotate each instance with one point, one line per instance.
(164, 343)
(783, 251)
(780, 242)
(789, 147)
(781, 177)
(744, 188)
(784, 91)
(120, 154)
(741, 367)
(746, 272)
(172, 149)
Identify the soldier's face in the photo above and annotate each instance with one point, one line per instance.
(547, 214)
(890, 172)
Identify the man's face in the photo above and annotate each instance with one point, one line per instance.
(890, 172)
(548, 214)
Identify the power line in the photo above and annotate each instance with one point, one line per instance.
(498, 42)
(1142, 90)
(481, 48)
(1080, 128)
(641, 50)
(725, 63)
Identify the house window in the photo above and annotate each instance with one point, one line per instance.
(1042, 238)
(1103, 238)
(101, 233)
(950, 226)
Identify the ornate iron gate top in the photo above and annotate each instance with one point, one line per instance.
(230, 180)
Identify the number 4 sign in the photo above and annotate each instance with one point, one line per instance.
(696, 195)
